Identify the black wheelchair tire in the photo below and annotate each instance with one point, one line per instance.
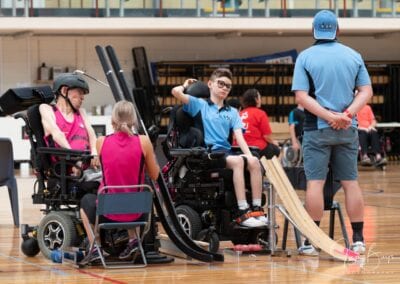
(189, 220)
(261, 238)
(211, 238)
(56, 231)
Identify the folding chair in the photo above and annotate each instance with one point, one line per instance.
(7, 177)
(329, 205)
(123, 203)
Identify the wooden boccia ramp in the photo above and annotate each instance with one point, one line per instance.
(299, 216)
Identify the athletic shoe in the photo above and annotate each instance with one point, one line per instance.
(308, 250)
(358, 247)
(263, 219)
(252, 223)
(92, 257)
(366, 161)
(381, 162)
(245, 219)
(130, 249)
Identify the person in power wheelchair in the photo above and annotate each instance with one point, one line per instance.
(218, 120)
(368, 136)
(65, 124)
(63, 146)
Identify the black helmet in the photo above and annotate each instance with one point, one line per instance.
(70, 80)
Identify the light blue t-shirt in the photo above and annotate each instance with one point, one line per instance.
(217, 123)
(335, 70)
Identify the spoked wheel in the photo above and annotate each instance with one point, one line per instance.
(56, 231)
(189, 220)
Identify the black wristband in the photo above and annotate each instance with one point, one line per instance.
(184, 89)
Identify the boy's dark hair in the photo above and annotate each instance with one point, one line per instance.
(221, 72)
(249, 98)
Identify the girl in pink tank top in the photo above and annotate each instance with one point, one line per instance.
(122, 162)
(125, 158)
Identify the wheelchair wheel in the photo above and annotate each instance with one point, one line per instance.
(189, 219)
(262, 238)
(56, 231)
(211, 238)
(240, 237)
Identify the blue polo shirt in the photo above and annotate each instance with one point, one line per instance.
(217, 123)
(329, 71)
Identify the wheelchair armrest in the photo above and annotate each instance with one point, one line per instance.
(185, 152)
(66, 154)
(214, 156)
(253, 149)
(67, 157)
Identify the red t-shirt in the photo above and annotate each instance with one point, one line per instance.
(256, 124)
(365, 117)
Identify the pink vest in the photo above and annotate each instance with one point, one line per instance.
(122, 163)
(74, 131)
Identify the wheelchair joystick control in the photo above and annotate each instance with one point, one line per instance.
(74, 191)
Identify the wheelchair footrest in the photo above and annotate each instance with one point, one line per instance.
(72, 255)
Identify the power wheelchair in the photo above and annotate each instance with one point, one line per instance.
(202, 191)
(55, 188)
(58, 190)
(60, 193)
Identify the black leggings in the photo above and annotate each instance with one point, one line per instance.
(369, 138)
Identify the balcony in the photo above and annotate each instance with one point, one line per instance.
(197, 8)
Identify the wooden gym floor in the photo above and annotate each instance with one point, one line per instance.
(380, 265)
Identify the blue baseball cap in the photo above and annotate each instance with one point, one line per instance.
(325, 25)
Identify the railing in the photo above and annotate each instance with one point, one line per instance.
(197, 8)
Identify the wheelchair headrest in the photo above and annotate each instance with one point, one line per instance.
(19, 99)
(199, 89)
(190, 129)
(183, 121)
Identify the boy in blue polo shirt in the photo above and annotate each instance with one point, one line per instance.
(218, 120)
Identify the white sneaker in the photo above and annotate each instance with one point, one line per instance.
(358, 247)
(308, 250)
(263, 219)
(252, 223)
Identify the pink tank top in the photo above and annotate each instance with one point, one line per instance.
(122, 162)
(74, 131)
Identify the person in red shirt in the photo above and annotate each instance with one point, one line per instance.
(256, 123)
(368, 135)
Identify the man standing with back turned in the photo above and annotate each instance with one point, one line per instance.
(325, 78)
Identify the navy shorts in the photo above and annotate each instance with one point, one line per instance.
(339, 148)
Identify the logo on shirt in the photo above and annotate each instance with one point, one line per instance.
(81, 125)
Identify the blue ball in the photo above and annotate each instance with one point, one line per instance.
(56, 256)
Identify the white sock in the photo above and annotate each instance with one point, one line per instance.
(257, 202)
(243, 205)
